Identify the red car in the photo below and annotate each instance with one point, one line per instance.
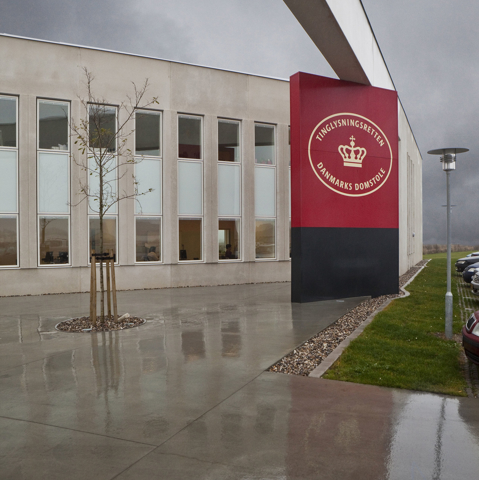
(470, 338)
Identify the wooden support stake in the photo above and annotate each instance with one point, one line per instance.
(93, 291)
(113, 290)
(108, 290)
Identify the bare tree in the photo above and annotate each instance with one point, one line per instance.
(104, 154)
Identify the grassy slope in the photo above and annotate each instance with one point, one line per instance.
(399, 348)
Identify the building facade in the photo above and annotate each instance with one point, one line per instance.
(214, 151)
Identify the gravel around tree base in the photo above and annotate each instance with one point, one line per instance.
(84, 325)
(304, 359)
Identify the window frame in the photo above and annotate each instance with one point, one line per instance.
(117, 244)
(161, 260)
(54, 265)
(15, 149)
(53, 100)
(160, 112)
(239, 165)
(274, 167)
(202, 136)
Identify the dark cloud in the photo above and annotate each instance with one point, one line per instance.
(429, 46)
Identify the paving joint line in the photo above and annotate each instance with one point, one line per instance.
(78, 431)
(189, 424)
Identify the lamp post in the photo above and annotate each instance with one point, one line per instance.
(448, 160)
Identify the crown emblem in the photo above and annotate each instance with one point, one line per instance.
(352, 156)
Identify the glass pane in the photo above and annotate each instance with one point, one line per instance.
(109, 235)
(8, 122)
(53, 125)
(289, 238)
(53, 238)
(8, 182)
(228, 239)
(53, 183)
(102, 127)
(190, 195)
(229, 190)
(109, 182)
(189, 137)
(148, 239)
(189, 239)
(8, 241)
(264, 144)
(264, 192)
(228, 141)
(265, 239)
(289, 146)
(147, 133)
(148, 175)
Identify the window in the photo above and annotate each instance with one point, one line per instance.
(8, 182)
(190, 238)
(109, 235)
(265, 191)
(264, 144)
(228, 141)
(190, 187)
(102, 127)
(189, 137)
(147, 133)
(102, 138)
(148, 178)
(229, 190)
(53, 183)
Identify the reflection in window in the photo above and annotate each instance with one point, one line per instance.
(147, 133)
(8, 240)
(148, 243)
(189, 137)
(8, 122)
(102, 127)
(189, 239)
(228, 239)
(52, 125)
(54, 233)
(228, 141)
(265, 238)
(109, 235)
(264, 151)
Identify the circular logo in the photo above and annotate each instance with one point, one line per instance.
(350, 154)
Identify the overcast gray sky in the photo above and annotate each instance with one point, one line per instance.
(429, 47)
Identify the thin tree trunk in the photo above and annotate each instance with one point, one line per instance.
(102, 285)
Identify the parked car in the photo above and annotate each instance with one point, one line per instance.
(464, 262)
(470, 271)
(475, 284)
(473, 254)
(470, 338)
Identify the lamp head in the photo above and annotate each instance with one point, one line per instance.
(448, 156)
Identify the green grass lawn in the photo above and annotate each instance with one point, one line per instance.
(400, 349)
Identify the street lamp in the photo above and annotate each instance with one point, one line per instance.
(448, 160)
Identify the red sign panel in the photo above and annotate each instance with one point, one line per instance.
(344, 142)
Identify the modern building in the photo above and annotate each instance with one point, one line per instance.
(214, 150)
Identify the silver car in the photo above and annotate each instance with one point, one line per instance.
(475, 284)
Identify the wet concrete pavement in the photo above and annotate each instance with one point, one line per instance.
(187, 397)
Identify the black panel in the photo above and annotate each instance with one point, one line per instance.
(330, 263)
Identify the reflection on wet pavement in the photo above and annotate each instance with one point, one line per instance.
(186, 396)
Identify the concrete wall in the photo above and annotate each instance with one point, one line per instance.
(34, 69)
(410, 196)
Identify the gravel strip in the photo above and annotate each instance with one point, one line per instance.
(304, 359)
(83, 325)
